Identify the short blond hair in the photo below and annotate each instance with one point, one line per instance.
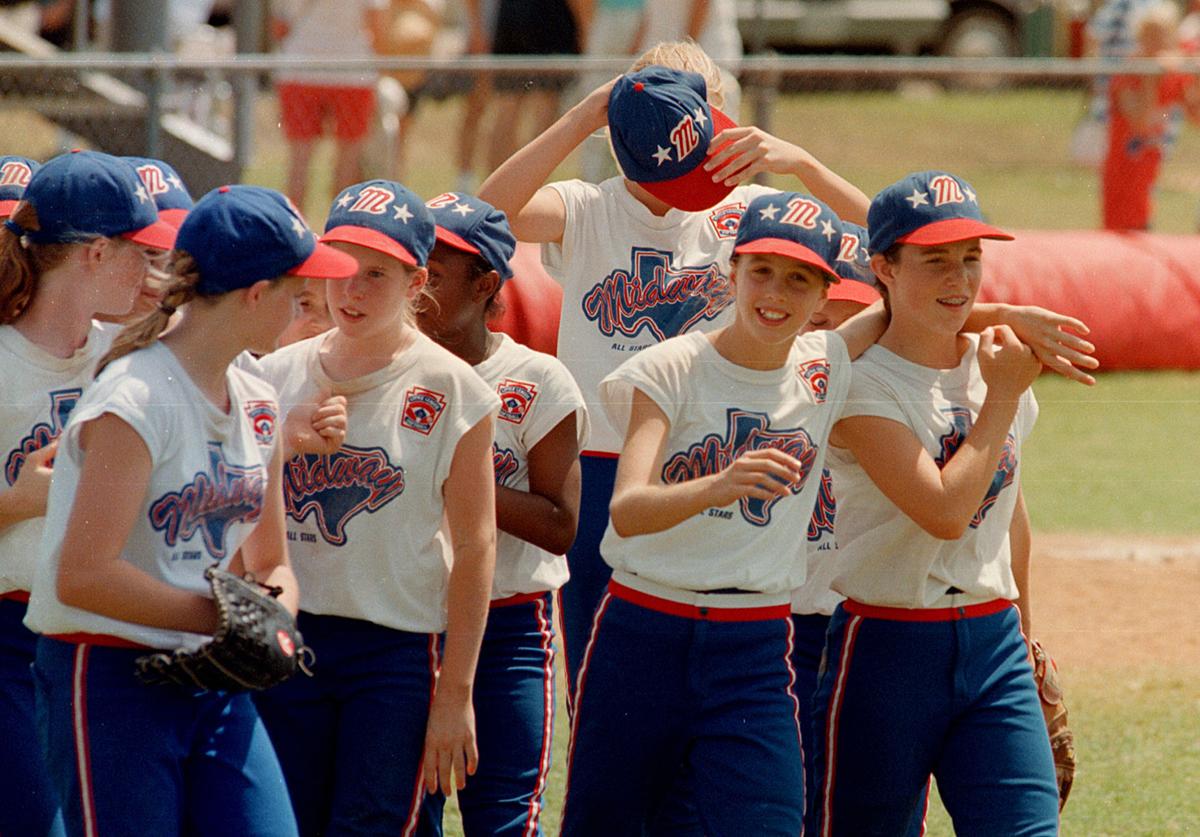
(688, 56)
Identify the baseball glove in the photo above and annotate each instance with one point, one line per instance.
(1062, 742)
(256, 644)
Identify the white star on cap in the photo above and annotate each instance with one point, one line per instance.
(462, 209)
(827, 230)
(140, 192)
(770, 212)
(918, 198)
(402, 213)
(701, 119)
(345, 200)
(298, 226)
(970, 195)
(663, 155)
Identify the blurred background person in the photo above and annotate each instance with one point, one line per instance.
(310, 99)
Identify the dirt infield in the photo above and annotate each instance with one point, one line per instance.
(1103, 602)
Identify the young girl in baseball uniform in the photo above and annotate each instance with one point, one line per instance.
(71, 250)
(926, 666)
(641, 261)
(687, 671)
(541, 426)
(169, 465)
(393, 540)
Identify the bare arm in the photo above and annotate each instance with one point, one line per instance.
(91, 573)
(450, 748)
(942, 501)
(697, 18)
(538, 214)
(548, 513)
(864, 329)
(1046, 332)
(1020, 540)
(264, 552)
(643, 504)
(752, 150)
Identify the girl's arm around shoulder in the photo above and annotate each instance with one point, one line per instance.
(942, 501)
(642, 504)
(1044, 331)
(546, 515)
(91, 573)
(535, 213)
(264, 552)
(451, 753)
(864, 329)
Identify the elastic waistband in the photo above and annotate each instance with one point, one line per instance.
(599, 454)
(720, 607)
(15, 596)
(927, 614)
(520, 598)
(106, 640)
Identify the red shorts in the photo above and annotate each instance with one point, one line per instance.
(305, 108)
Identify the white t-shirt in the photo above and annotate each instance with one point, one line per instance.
(883, 556)
(815, 596)
(209, 474)
(365, 524)
(632, 279)
(717, 411)
(536, 393)
(328, 29)
(39, 392)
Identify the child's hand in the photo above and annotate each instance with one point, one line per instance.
(750, 151)
(318, 428)
(1046, 333)
(1007, 365)
(32, 487)
(594, 108)
(763, 474)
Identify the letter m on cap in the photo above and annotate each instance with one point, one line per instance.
(373, 200)
(685, 137)
(946, 190)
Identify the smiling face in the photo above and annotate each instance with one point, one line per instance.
(776, 296)
(932, 287)
(374, 303)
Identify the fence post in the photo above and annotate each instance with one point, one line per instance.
(141, 26)
(248, 19)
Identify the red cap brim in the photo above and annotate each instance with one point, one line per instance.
(790, 249)
(952, 230)
(852, 291)
(326, 263)
(159, 235)
(371, 239)
(174, 217)
(7, 207)
(456, 241)
(695, 190)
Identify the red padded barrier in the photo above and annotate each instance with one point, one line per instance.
(1139, 292)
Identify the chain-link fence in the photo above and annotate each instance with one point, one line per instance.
(1028, 132)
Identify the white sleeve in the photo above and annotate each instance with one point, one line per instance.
(129, 399)
(576, 196)
(653, 372)
(560, 396)
(870, 395)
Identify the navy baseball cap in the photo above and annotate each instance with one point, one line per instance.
(793, 225)
(384, 216)
(14, 177)
(661, 126)
(468, 223)
(166, 187)
(927, 208)
(852, 263)
(84, 194)
(239, 235)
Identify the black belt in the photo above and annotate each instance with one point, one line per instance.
(729, 591)
(953, 591)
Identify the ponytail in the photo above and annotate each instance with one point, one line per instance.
(22, 263)
(143, 332)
